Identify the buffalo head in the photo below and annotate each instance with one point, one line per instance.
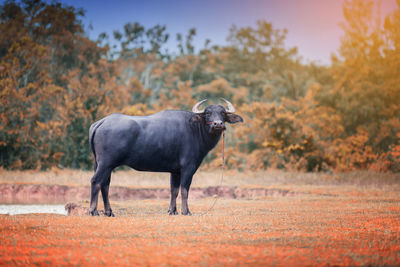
(215, 116)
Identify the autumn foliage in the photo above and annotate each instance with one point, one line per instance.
(55, 82)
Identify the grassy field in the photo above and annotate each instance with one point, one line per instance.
(346, 219)
(131, 178)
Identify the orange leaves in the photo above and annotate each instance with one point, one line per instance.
(42, 126)
(287, 134)
(57, 156)
(217, 88)
(395, 151)
(353, 152)
(24, 90)
(389, 161)
(136, 110)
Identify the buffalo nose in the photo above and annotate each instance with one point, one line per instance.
(218, 124)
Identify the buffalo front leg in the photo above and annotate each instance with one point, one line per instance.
(98, 179)
(185, 186)
(104, 193)
(175, 183)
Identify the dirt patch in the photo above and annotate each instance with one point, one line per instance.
(51, 194)
(41, 194)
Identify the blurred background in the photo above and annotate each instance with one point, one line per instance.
(317, 82)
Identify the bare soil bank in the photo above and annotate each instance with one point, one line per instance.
(55, 194)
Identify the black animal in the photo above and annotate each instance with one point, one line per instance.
(171, 141)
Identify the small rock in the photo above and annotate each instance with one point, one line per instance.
(74, 209)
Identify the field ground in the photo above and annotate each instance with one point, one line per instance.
(349, 219)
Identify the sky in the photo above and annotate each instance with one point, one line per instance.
(313, 25)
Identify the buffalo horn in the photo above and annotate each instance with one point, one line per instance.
(195, 108)
(231, 108)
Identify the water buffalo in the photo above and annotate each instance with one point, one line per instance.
(173, 141)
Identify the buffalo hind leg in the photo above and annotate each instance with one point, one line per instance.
(104, 193)
(185, 186)
(175, 183)
(98, 179)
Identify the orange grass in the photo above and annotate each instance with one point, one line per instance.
(309, 229)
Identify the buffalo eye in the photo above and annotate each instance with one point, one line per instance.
(197, 118)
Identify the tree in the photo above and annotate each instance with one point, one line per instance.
(40, 44)
(366, 90)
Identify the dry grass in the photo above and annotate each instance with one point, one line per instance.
(287, 231)
(339, 219)
(131, 178)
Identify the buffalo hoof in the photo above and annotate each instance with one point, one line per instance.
(94, 213)
(172, 212)
(109, 213)
(188, 213)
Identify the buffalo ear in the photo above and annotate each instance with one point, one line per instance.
(233, 118)
(196, 118)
